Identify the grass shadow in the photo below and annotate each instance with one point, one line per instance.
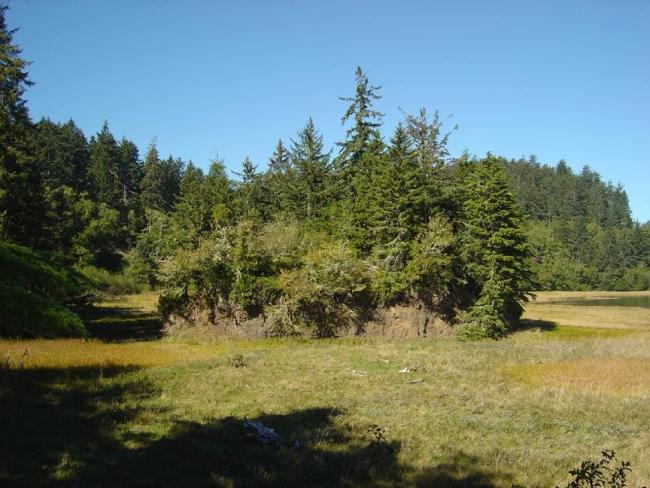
(532, 324)
(316, 448)
(80, 427)
(120, 324)
(53, 420)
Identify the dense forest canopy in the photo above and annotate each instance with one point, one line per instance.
(320, 238)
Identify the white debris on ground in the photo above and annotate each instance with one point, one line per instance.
(262, 433)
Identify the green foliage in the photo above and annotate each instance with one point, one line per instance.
(113, 284)
(313, 243)
(34, 289)
(608, 472)
(330, 291)
(494, 249)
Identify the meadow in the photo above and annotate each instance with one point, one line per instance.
(131, 408)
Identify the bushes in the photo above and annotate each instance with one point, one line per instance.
(331, 289)
(34, 291)
(112, 283)
(26, 314)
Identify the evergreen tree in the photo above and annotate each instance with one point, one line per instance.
(151, 186)
(22, 201)
(62, 153)
(280, 178)
(365, 127)
(104, 168)
(218, 191)
(494, 248)
(252, 198)
(310, 165)
(191, 213)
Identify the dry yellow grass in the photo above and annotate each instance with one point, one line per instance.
(77, 353)
(618, 375)
(522, 410)
(544, 308)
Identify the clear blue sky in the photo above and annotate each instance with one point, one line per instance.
(558, 79)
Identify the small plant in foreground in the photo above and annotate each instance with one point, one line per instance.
(609, 472)
(237, 361)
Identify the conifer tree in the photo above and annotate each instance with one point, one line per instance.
(22, 201)
(279, 178)
(218, 192)
(61, 151)
(494, 248)
(151, 186)
(365, 126)
(103, 170)
(310, 165)
(252, 197)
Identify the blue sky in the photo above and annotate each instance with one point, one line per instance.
(558, 79)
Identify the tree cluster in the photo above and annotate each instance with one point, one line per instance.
(319, 239)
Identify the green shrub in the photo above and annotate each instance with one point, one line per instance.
(25, 314)
(608, 472)
(112, 283)
(330, 291)
(34, 291)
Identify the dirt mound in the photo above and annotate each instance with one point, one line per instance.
(400, 321)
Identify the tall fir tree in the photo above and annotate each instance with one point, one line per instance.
(22, 200)
(310, 165)
(279, 178)
(365, 126)
(494, 248)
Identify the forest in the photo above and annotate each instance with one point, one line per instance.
(315, 239)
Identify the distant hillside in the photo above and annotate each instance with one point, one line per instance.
(581, 228)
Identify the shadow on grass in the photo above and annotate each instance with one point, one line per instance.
(52, 420)
(118, 324)
(316, 449)
(72, 428)
(529, 324)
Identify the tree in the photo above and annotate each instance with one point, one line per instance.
(365, 125)
(104, 167)
(310, 165)
(160, 183)
(61, 151)
(251, 196)
(280, 178)
(22, 202)
(494, 249)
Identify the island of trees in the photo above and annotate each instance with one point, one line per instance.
(321, 240)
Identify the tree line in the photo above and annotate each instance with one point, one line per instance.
(319, 238)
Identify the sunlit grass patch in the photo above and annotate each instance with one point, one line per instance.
(74, 353)
(145, 301)
(621, 376)
(567, 332)
(585, 316)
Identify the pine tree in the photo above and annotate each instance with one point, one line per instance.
(252, 197)
(279, 178)
(493, 247)
(151, 186)
(62, 154)
(104, 168)
(310, 171)
(22, 201)
(218, 192)
(191, 214)
(365, 127)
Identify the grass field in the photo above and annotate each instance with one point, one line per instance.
(131, 408)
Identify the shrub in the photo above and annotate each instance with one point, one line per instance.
(112, 283)
(34, 291)
(608, 472)
(329, 291)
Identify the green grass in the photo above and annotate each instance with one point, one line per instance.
(120, 412)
